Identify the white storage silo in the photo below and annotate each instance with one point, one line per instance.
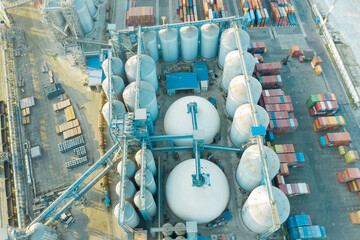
(147, 98)
(130, 168)
(130, 189)
(39, 231)
(84, 16)
(180, 232)
(149, 158)
(56, 15)
(233, 67)
(228, 43)
(151, 44)
(149, 180)
(189, 37)
(117, 67)
(256, 212)
(209, 40)
(178, 121)
(150, 205)
(169, 44)
(248, 172)
(91, 7)
(193, 203)
(237, 93)
(118, 110)
(165, 228)
(117, 84)
(147, 70)
(131, 218)
(242, 123)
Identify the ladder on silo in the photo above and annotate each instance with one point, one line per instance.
(13, 119)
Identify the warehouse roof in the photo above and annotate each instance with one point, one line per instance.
(201, 71)
(181, 81)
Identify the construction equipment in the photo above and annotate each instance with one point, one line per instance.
(285, 60)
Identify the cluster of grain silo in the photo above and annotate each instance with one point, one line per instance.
(169, 234)
(40, 231)
(85, 10)
(131, 194)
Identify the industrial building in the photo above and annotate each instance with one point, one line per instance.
(150, 132)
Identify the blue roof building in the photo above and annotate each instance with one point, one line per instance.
(181, 81)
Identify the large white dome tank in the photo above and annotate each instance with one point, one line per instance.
(237, 93)
(191, 203)
(56, 15)
(39, 231)
(84, 16)
(149, 158)
(209, 40)
(91, 7)
(242, 123)
(147, 98)
(189, 42)
(233, 67)
(228, 43)
(149, 180)
(117, 67)
(117, 85)
(151, 44)
(150, 205)
(178, 121)
(256, 212)
(147, 70)
(118, 109)
(248, 172)
(169, 44)
(130, 189)
(131, 218)
(130, 168)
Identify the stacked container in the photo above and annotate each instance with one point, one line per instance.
(355, 217)
(257, 47)
(307, 232)
(298, 221)
(292, 159)
(282, 13)
(349, 174)
(271, 82)
(354, 185)
(256, 14)
(214, 9)
(187, 10)
(295, 189)
(295, 51)
(322, 104)
(284, 148)
(140, 16)
(264, 69)
(351, 156)
(334, 139)
(313, 99)
(328, 123)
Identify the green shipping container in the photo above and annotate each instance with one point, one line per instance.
(312, 100)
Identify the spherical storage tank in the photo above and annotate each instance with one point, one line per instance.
(117, 85)
(56, 15)
(147, 70)
(149, 180)
(149, 158)
(151, 44)
(118, 109)
(256, 212)
(169, 44)
(192, 203)
(147, 98)
(242, 123)
(130, 168)
(150, 205)
(117, 67)
(228, 43)
(233, 67)
(91, 7)
(189, 37)
(248, 172)
(209, 40)
(129, 189)
(178, 121)
(84, 16)
(237, 93)
(39, 231)
(131, 218)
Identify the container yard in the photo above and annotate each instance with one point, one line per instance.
(179, 119)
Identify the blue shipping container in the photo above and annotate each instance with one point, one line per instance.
(195, 10)
(258, 15)
(252, 15)
(190, 3)
(266, 15)
(301, 220)
(127, 7)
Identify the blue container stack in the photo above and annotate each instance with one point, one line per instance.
(300, 227)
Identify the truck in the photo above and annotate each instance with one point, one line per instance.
(220, 221)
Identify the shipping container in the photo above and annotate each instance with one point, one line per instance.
(335, 139)
(295, 189)
(328, 123)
